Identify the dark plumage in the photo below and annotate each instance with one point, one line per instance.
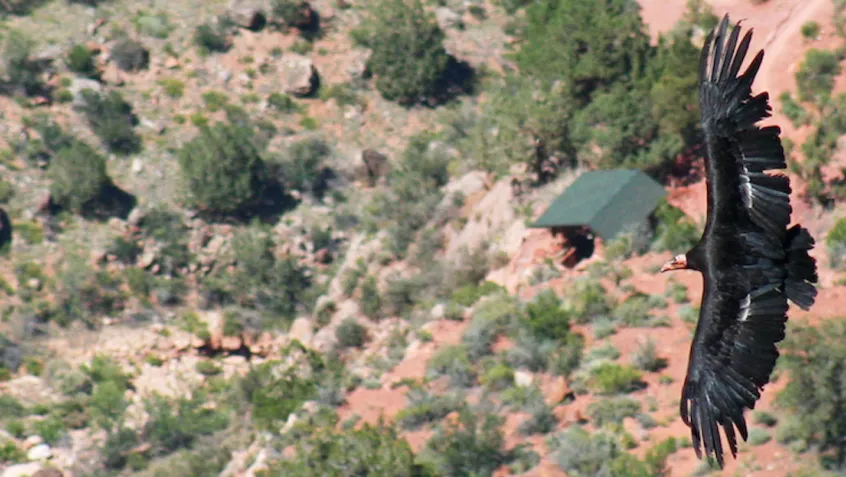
(751, 263)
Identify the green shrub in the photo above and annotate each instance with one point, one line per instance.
(343, 94)
(10, 452)
(170, 232)
(107, 403)
(633, 311)
(78, 176)
(675, 232)
(612, 378)
(350, 334)
(411, 200)
(172, 87)
(816, 74)
(214, 37)
(453, 362)
(613, 410)
(23, 71)
(117, 446)
(816, 359)
(618, 40)
(80, 60)
(155, 25)
(498, 377)
(810, 30)
(471, 445)
(215, 100)
(647, 359)
(21, 7)
(84, 293)
(580, 454)
(275, 390)
(282, 103)
(224, 169)
(130, 55)
(275, 286)
(765, 418)
(51, 429)
(371, 300)
(794, 111)
(546, 319)
(758, 436)
(208, 368)
(31, 231)
(112, 120)
(52, 137)
(678, 292)
(408, 57)
(11, 407)
(369, 450)
(424, 408)
(176, 425)
(102, 369)
(490, 319)
(470, 294)
(541, 419)
(295, 13)
(835, 243)
(304, 167)
(589, 301)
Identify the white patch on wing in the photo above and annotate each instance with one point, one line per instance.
(745, 186)
(744, 308)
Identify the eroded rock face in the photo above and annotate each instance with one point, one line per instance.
(298, 75)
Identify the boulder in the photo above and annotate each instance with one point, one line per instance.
(375, 165)
(78, 85)
(298, 75)
(50, 472)
(248, 14)
(21, 470)
(40, 452)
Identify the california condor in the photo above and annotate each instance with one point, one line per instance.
(751, 263)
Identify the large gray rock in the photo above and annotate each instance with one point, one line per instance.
(375, 165)
(40, 452)
(49, 472)
(22, 470)
(249, 14)
(78, 85)
(298, 75)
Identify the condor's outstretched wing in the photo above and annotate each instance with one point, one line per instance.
(738, 151)
(753, 264)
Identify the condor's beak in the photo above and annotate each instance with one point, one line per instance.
(677, 262)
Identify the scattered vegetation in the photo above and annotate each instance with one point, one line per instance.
(263, 218)
(408, 59)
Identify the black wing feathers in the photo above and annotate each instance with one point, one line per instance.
(801, 268)
(731, 373)
(729, 114)
(744, 306)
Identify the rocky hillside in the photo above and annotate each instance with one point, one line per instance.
(284, 237)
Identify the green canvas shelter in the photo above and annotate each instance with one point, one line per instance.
(605, 201)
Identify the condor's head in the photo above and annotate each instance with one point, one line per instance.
(679, 262)
(684, 261)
